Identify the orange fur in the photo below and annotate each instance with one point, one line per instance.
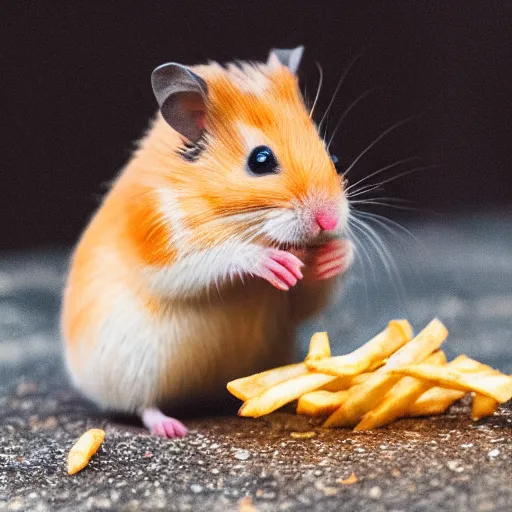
(129, 232)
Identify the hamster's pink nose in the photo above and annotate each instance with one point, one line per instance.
(326, 220)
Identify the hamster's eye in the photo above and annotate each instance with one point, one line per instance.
(262, 161)
(336, 162)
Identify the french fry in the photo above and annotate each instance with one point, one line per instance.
(363, 397)
(320, 403)
(82, 451)
(389, 377)
(342, 383)
(370, 355)
(482, 406)
(465, 364)
(399, 398)
(254, 385)
(319, 347)
(498, 387)
(283, 393)
(436, 400)
(433, 402)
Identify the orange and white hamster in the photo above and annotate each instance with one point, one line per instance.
(222, 233)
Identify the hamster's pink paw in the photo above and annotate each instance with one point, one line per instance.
(331, 259)
(161, 425)
(280, 268)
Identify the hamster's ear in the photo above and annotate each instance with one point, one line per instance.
(289, 58)
(181, 95)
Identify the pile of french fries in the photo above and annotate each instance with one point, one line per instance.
(392, 376)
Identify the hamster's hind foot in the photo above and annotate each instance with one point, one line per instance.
(161, 425)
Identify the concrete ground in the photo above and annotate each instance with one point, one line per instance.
(462, 273)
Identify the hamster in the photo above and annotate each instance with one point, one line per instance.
(221, 235)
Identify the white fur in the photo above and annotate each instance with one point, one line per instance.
(251, 136)
(172, 213)
(249, 79)
(186, 352)
(196, 272)
(294, 225)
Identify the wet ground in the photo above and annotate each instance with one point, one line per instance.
(462, 273)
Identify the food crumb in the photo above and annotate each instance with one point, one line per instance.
(242, 455)
(453, 465)
(26, 388)
(246, 505)
(352, 479)
(375, 493)
(494, 453)
(303, 435)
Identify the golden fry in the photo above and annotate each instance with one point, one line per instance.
(319, 347)
(352, 479)
(283, 393)
(342, 383)
(492, 385)
(399, 398)
(370, 355)
(82, 451)
(320, 403)
(303, 435)
(467, 365)
(254, 385)
(436, 400)
(433, 402)
(363, 397)
(245, 505)
(389, 377)
(482, 406)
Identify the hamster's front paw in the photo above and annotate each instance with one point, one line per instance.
(280, 268)
(330, 260)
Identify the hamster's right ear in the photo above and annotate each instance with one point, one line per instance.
(289, 58)
(181, 95)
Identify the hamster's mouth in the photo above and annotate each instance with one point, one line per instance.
(321, 239)
(292, 247)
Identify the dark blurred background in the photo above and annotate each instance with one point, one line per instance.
(75, 95)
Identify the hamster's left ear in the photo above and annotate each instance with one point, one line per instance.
(288, 58)
(181, 96)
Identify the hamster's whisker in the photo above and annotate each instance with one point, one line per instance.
(385, 256)
(357, 245)
(377, 202)
(378, 139)
(347, 111)
(381, 170)
(362, 246)
(380, 220)
(340, 83)
(396, 230)
(402, 174)
(381, 198)
(377, 244)
(319, 88)
(364, 190)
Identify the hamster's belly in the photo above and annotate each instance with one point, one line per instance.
(217, 342)
(184, 352)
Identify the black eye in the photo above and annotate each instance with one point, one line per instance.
(336, 162)
(262, 161)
